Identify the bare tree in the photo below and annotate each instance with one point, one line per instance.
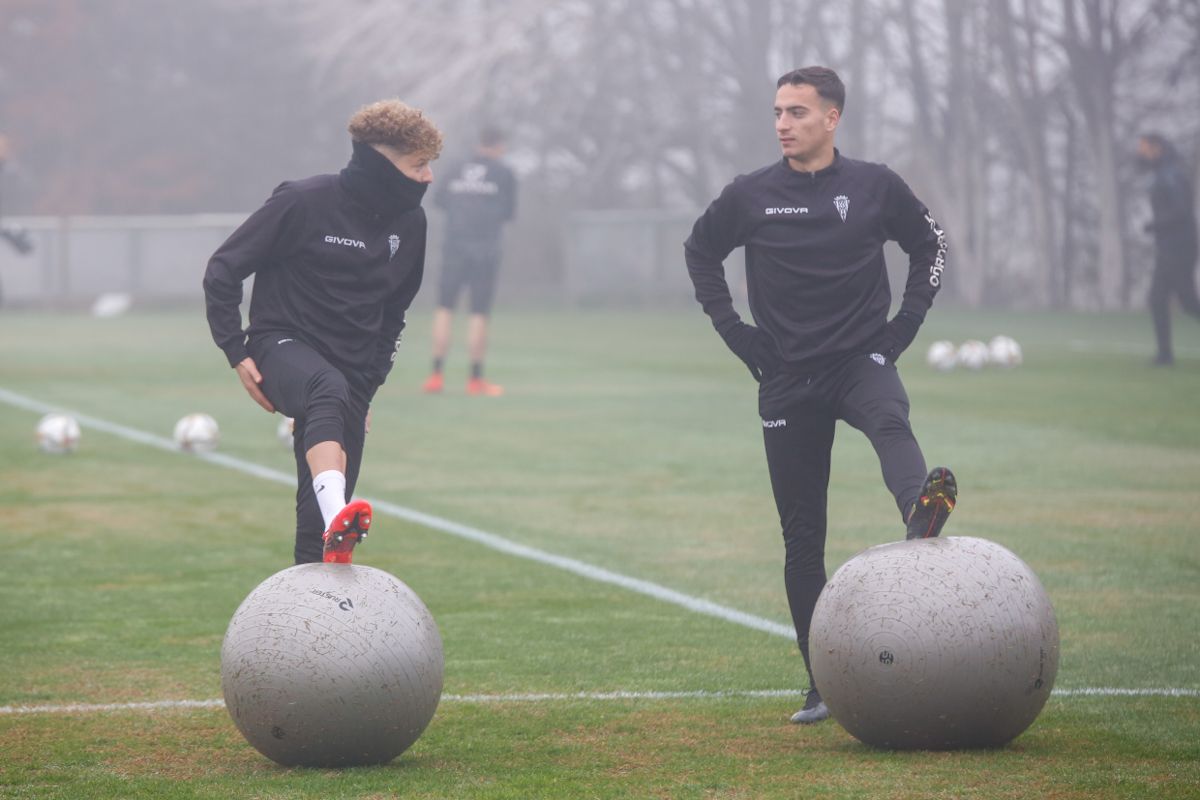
(1014, 119)
(1098, 41)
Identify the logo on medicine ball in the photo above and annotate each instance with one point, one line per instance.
(886, 658)
(343, 603)
(393, 245)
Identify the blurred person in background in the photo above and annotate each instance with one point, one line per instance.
(813, 225)
(337, 261)
(1173, 204)
(18, 239)
(479, 195)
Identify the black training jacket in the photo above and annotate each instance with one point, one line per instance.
(1174, 207)
(333, 268)
(815, 272)
(478, 195)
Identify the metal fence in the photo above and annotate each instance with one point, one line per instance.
(75, 259)
(633, 258)
(605, 259)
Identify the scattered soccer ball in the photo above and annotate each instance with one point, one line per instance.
(197, 433)
(112, 304)
(287, 427)
(57, 434)
(973, 354)
(1003, 351)
(942, 355)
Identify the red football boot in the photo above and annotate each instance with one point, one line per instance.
(482, 388)
(349, 527)
(433, 384)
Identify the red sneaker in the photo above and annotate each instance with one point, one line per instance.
(478, 386)
(433, 384)
(349, 527)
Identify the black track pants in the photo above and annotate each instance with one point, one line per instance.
(1174, 274)
(867, 395)
(303, 385)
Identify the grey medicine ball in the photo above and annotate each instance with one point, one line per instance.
(331, 665)
(934, 644)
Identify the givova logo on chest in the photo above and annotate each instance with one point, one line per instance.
(346, 242)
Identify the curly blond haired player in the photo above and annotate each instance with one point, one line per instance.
(337, 260)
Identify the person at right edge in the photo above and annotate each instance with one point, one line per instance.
(813, 225)
(1175, 247)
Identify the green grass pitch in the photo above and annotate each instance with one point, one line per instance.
(628, 441)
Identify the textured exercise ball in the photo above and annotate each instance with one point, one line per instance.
(934, 644)
(331, 665)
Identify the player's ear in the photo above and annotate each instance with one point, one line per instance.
(832, 118)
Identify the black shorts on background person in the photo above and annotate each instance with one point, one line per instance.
(479, 197)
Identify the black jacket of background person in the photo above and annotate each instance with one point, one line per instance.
(1174, 206)
(815, 271)
(337, 260)
(478, 195)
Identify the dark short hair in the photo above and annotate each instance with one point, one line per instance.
(1165, 148)
(491, 136)
(827, 83)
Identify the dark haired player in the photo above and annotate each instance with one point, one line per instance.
(1173, 204)
(813, 225)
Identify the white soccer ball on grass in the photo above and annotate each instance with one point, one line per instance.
(285, 431)
(58, 434)
(942, 355)
(111, 304)
(197, 433)
(973, 354)
(1003, 351)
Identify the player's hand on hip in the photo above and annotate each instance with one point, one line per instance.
(247, 371)
(755, 348)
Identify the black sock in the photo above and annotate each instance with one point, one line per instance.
(802, 593)
(476, 370)
(812, 685)
(438, 363)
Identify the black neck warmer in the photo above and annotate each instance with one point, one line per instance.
(374, 180)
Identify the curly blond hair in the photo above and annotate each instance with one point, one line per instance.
(397, 124)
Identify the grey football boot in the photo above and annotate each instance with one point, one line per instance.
(814, 710)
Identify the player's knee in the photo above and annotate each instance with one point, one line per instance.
(326, 408)
(888, 422)
(328, 390)
(895, 425)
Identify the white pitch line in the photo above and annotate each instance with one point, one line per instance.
(590, 571)
(95, 708)
(499, 543)
(551, 697)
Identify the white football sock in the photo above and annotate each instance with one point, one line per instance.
(330, 487)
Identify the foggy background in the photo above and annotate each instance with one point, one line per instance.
(1014, 120)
